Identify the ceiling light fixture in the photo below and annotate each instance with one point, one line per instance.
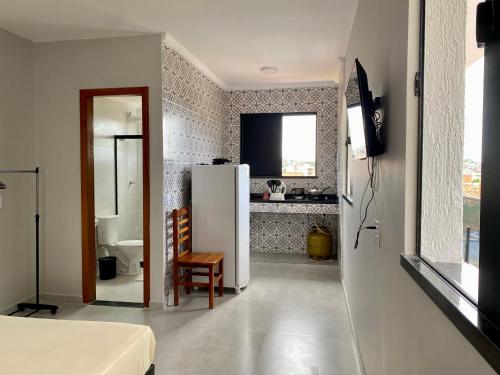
(269, 70)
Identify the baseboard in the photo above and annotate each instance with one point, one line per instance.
(359, 358)
(60, 298)
(154, 305)
(13, 307)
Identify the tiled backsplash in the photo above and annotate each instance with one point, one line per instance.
(201, 122)
(287, 233)
(322, 100)
(272, 233)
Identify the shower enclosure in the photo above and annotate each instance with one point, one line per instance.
(128, 185)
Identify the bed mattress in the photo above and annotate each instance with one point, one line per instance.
(30, 346)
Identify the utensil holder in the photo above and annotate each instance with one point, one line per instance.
(277, 197)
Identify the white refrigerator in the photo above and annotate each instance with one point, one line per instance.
(221, 217)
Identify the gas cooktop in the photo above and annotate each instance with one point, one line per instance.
(304, 198)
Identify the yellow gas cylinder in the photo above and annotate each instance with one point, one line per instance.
(319, 243)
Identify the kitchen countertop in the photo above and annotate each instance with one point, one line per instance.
(325, 199)
(292, 206)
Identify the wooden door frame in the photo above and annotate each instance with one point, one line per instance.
(87, 187)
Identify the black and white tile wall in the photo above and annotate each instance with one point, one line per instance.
(352, 92)
(322, 100)
(280, 234)
(201, 122)
(193, 120)
(287, 233)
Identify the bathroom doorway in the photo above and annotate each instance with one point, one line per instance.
(114, 126)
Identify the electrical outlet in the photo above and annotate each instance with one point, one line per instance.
(374, 230)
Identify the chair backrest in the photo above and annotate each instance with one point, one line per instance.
(182, 231)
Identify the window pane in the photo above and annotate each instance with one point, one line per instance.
(260, 135)
(452, 132)
(357, 132)
(299, 145)
(472, 157)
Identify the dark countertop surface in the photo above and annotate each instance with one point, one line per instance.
(322, 199)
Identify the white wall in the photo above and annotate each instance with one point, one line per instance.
(442, 191)
(399, 329)
(61, 70)
(17, 151)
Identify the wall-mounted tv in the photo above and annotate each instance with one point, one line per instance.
(363, 120)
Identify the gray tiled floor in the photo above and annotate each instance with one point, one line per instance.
(122, 288)
(289, 258)
(292, 319)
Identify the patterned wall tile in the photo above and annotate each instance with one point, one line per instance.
(352, 92)
(322, 100)
(286, 233)
(296, 208)
(193, 113)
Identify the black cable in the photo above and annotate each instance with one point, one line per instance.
(376, 116)
(371, 173)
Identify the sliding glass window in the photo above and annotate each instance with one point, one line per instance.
(451, 143)
(459, 199)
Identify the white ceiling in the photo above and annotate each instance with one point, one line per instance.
(233, 38)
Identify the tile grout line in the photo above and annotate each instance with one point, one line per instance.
(198, 114)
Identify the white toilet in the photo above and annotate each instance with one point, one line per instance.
(128, 253)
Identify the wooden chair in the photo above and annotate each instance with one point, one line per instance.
(185, 261)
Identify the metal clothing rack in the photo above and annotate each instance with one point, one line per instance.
(37, 306)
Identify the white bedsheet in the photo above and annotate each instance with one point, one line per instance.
(30, 346)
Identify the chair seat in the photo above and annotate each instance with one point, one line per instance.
(187, 264)
(200, 259)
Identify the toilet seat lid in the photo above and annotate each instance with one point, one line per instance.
(130, 243)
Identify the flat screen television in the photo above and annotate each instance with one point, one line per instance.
(363, 120)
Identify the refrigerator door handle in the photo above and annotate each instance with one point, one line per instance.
(237, 237)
